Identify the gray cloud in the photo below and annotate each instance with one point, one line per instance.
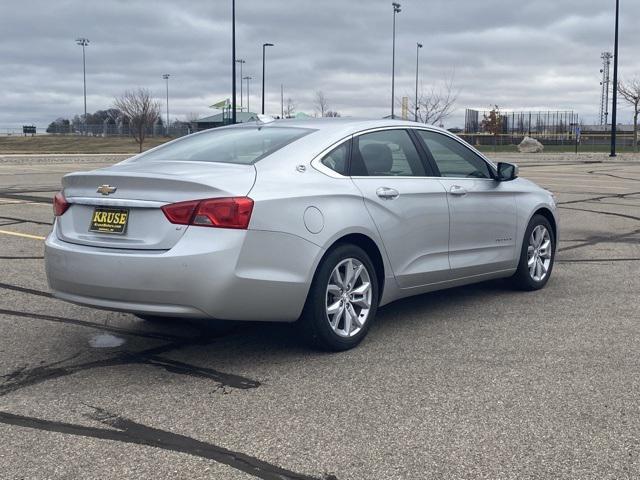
(542, 54)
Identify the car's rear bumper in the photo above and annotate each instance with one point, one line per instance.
(217, 273)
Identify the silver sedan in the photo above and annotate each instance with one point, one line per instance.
(316, 221)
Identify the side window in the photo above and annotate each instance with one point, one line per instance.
(386, 153)
(454, 159)
(336, 159)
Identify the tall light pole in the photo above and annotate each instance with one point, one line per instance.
(166, 77)
(418, 47)
(247, 78)
(84, 42)
(264, 46)
(396, 9)
(241, 62)
(614, 111)
(233, 61)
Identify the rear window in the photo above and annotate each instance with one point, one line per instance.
(244, 145)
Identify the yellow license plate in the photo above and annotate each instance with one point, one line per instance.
(109, 220)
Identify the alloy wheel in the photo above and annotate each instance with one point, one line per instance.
(348, 297)
(539, 253)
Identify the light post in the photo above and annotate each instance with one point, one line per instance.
(396, 9)
(614, 110)
(233, 61)
(241, 62)
(166, 77)
(264, 46)
(247, 78)
(83, 42)
(418, 47)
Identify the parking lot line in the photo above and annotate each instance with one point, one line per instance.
(24, 235)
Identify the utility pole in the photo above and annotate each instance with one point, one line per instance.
(396, 9)
(281, 100)
(247, 78)
(233, 62)
(614, 111)
(417, 107)
(83, 42)
(166, 77)
(241, 62)
(264, 46)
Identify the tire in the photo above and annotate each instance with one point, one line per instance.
(535, 277)
(345, 324)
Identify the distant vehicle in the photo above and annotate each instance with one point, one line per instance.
(320, 221)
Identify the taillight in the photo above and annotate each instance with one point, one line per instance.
(180, 213)
(60, 204)
(232, 212)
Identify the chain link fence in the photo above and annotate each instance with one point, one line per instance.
(568, 142)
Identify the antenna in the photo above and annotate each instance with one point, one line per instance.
(604, 96)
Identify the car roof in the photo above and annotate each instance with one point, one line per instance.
(341, 124)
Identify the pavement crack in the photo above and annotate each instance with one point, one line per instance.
(614, 214)
(30, 291)
(597, 260)
(599, 239)
(25, 220)
(82, 323)
(28, 198)
(124, 430)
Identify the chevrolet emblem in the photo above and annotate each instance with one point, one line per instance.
(106, 189)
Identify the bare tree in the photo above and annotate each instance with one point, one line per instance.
(141, 110)
(630, 91)
(492, 122)
(290, 108)
(434, 105)
(321, 103)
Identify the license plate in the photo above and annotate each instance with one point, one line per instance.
(109, 220)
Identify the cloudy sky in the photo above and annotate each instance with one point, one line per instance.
(542, 54)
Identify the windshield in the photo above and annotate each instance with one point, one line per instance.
(244, 145)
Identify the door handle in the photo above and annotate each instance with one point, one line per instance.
(387, 193)
(457, 190)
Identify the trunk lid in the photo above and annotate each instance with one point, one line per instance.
(141, 188)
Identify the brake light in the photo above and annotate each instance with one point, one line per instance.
(232, 212)
(60, 204)
(180, 213)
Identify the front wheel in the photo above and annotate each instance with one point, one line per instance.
(536, 256)
(342, 301)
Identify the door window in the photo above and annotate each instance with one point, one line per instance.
(454, 159)
(386, 153)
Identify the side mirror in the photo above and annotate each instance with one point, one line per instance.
(507, 172)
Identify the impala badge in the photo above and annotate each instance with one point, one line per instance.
(106, 189)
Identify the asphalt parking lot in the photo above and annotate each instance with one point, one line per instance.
(476, 382)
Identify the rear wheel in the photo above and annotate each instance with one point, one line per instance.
(342, 301)
(536, 256)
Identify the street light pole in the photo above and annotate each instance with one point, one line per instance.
(418, 47)
(166, 77)
(396, 9)
(264, 46)
(241, 62)
(614, 110)
(233, 61)
(84, 42)
(247, 78)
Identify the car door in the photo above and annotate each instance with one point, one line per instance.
(406, 202)
(482, 210)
